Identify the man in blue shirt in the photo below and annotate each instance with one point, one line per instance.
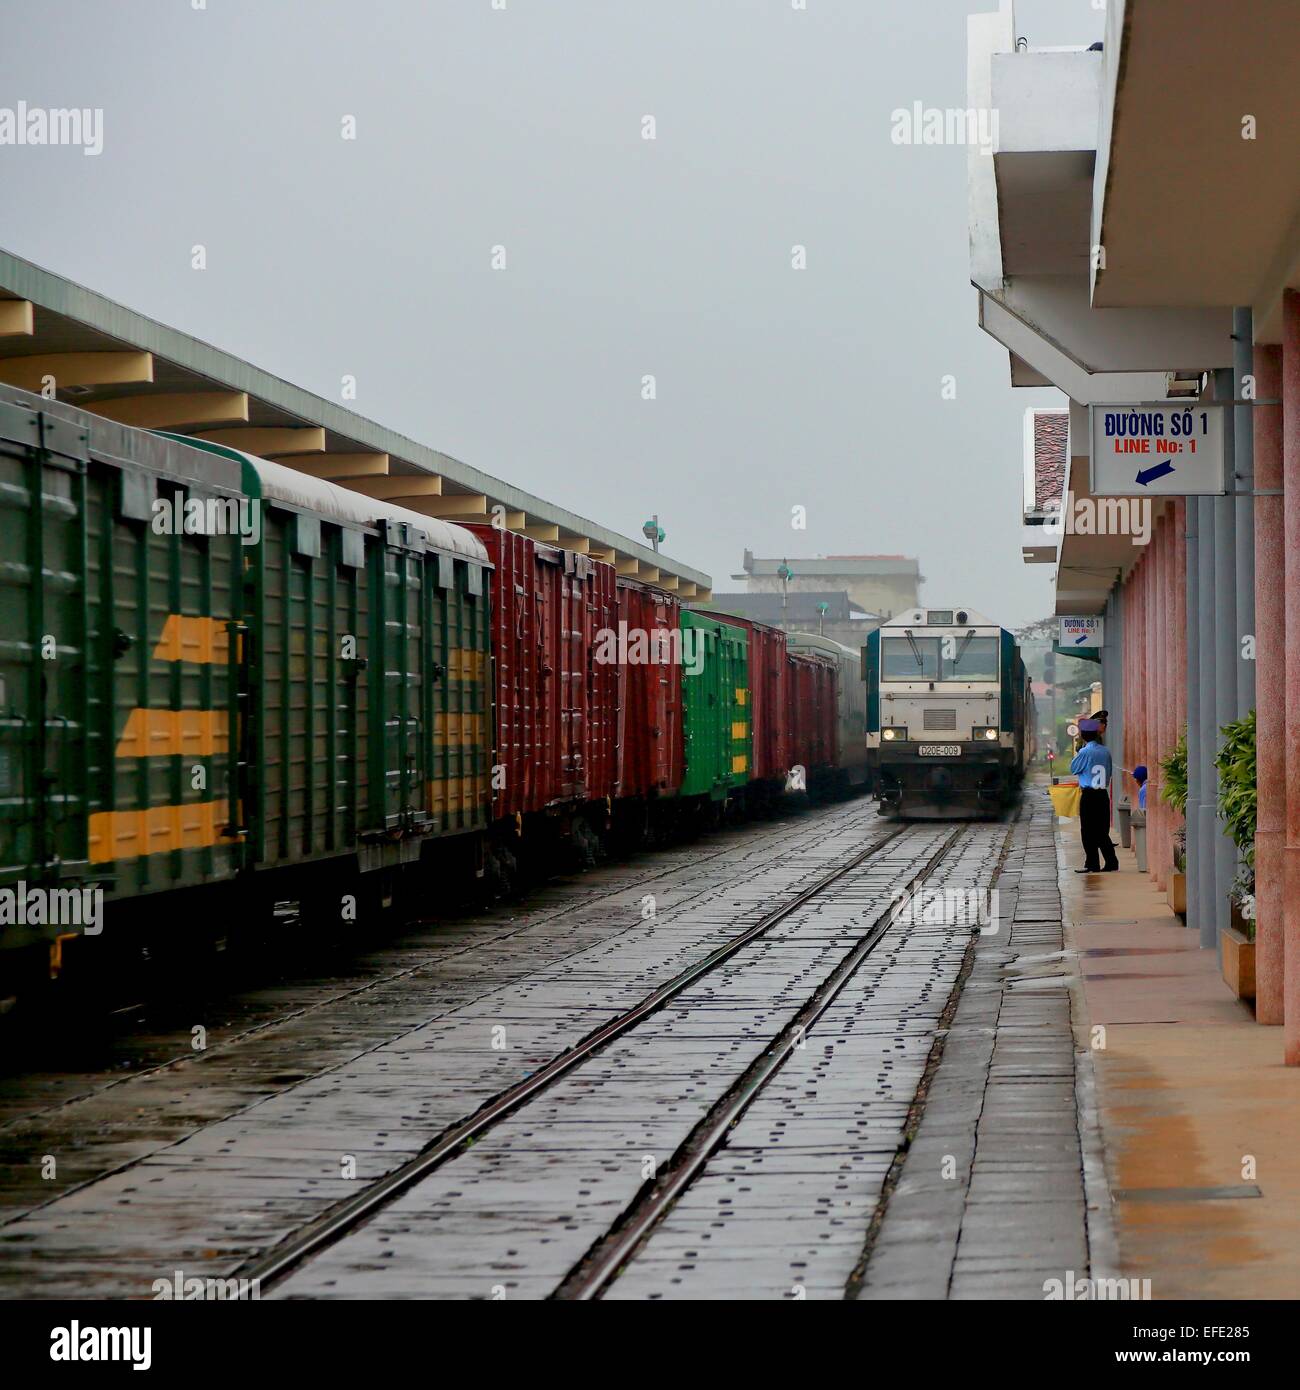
(1092, 766)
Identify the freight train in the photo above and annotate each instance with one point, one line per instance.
(225, 684)
(950, 715)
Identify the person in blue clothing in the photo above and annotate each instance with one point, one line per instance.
(1140, 777)
(1092, 766)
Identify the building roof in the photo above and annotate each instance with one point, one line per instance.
(1051, 433)
(801, 606)
(864, 565)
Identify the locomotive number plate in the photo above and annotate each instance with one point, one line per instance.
(940, 750)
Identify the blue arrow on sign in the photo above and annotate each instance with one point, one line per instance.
(1149, 475)
(1079, 641)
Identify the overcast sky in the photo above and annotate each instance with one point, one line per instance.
(522, 127)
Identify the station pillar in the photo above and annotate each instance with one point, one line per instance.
(1270, 689)
(1291, 541)
(1192, 703)
(1201, 741)
(1227, 648)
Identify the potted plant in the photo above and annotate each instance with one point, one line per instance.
(1238, 806)
(1173, 792)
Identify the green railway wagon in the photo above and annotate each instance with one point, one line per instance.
(716, 727)
(213, 668)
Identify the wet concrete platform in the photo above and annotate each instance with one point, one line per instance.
(992, 1200)
(1201, 1118)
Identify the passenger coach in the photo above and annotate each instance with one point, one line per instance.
(949, 714)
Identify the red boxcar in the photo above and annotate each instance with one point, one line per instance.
(556, 705)
(814, 727)
(650, 753)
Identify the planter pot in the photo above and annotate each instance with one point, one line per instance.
(1239, 963)
(1177, 893)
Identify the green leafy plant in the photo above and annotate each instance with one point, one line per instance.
(1238, 797)
(1180, 850)
(1173, 775)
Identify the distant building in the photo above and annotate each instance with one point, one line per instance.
(882, 585)
(800, 609)
(843, 621)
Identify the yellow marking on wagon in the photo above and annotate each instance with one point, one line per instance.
(464, 794)
(201, 640)
(464, 730)
(133, 834)
(162, 733)
(464, 663)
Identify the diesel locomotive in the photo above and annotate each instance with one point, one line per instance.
(950, 715)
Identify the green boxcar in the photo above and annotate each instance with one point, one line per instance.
(116, 709)
(366, 675)
(183, 704)
(716, 726)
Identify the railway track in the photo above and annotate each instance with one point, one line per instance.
(590, 1278)
(125, 1143)
(384, 1220)
(334, 1225)
(140, 1048)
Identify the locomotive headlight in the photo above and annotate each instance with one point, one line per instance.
(989, 734)
(894, 732)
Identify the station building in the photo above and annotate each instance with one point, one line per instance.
(1135, 239)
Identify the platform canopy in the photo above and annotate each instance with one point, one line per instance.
(1199, 102)
(57, 337)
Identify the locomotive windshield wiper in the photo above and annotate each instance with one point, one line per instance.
(916, 651)
(961, 651)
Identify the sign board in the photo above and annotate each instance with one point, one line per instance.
(1157, 450)
(1083, 633)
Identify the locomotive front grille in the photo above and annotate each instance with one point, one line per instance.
(939, 719)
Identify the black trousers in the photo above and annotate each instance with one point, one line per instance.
(1094, 829)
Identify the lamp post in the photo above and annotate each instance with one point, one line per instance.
(653, 532)
(786, 574)
(822, 610)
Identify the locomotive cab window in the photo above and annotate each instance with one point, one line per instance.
(909, 658)
(976, 659)
(915, 658)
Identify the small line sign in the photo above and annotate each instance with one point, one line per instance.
(1082, 634)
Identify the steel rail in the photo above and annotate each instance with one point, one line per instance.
(589, 1278)
(335, 1223)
